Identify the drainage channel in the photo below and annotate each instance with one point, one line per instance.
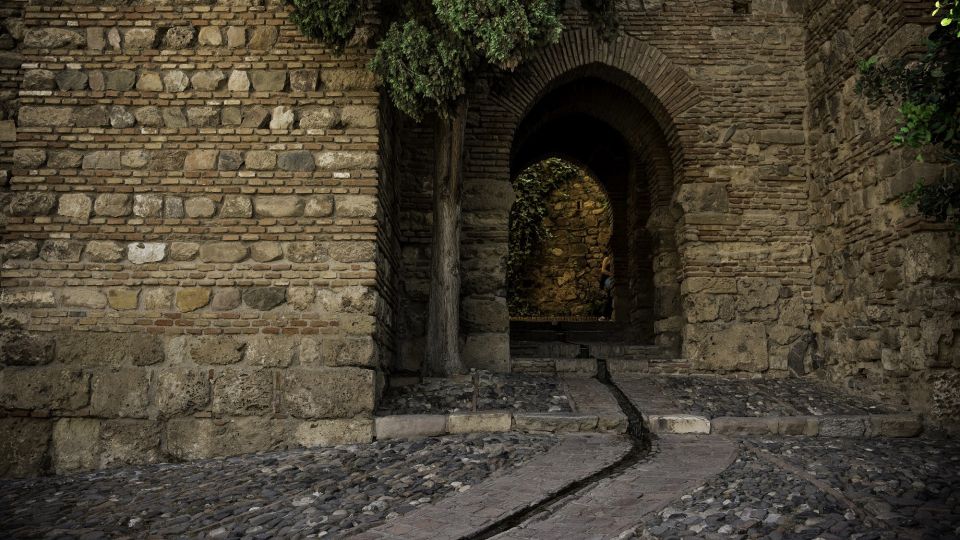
(639, 438)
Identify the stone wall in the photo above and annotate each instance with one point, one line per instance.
(887, 287)
(712, 110)
(192, 244)
(564, 276)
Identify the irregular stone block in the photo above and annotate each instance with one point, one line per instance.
(256, 117)
(346, 160)
(677, 423)
(175, 81)
(21, 298)
(328, 392)
(146, 252)
(113, 204)
(71, 79)
(34, 158)
(237, 206)
(32, 203)
(121, 118)
(230, 160)
(121, 393)
(300, 297)
(157, 299)
(83, 297)
(178, 37)
(357, 206)
(210, 36)
(202, 117)
(727, 346)
(53, 38)
(554, 423)
(19, 249)
(347, 79)
(64, 159)
(410, 426)
(479, 422)
(277, 205)
(319, 206)
(196, 438)
(319, 118)
(305, 252)
(236, 36)
(207, 80)
(150, 82)
(123, 299)
(128, 442)
(359, 352)
(75, 444)
(799, 425)
(201, 160)
(174, 118)
(745, 426)
(148, 116)
(894, 425)
(268, 80)
(260, 160)
(263, 38)
(303, 80)
(105, 251)
(271, 351)
(105, 159)
(225, 299)
(108, 349)
(217, 350)
(359, 116)
(140, 38)
(119, 80)
(200, 207)
(38, 79)
(316, 433)
(23, 448)
(61, 251)
(44, 387)
(184, 251)
(842, 426)
(29, 116)
(266, 251)
(352, 252)
(239, 81)
(223, 252)
(21, 348)
(264, 298)
(148, 205)
(298, 161)
(282, 118)
(192, 299)
(242, 392)
(181, 391)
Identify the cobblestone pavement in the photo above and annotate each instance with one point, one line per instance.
(322, 492)
(715, 397)
(824, 488)
(495, 391)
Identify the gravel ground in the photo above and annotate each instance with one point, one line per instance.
(496, 391)
(715, 397)
(890, 489)
(318, 492)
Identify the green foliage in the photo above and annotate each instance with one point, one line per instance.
(330, 21)
(603, 15)
(927, 91)
(949, 11)
(527, 231)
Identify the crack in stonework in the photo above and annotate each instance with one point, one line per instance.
(640, 448)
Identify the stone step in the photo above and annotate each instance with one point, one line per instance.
(586, 367)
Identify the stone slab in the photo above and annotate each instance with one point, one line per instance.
(409, 426)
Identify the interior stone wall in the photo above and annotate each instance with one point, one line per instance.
(563, 279)
(887, 284)
(194, 253)
(729, 216)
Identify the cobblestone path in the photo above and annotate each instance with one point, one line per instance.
(493, 391)
(321, 492)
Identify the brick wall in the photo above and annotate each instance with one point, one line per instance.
(192, 242)
(886, 311)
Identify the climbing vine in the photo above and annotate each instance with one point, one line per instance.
(527, 230)
(927, 91)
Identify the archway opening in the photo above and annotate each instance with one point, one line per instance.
(559, 265)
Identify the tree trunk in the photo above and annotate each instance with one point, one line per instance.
(443, 327)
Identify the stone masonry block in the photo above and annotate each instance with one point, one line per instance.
(479, 422)
(120, 393)
(315, 433)
(47, 387)
(410, 426)
(242, 392)
(328, 393)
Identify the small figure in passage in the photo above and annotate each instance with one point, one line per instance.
(606, 285)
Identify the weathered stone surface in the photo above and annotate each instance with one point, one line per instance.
(64, 159)
(346, 79)
(113, 204)
(53, 38)
(225, 299)
(184, 251)
(21, 348)
(135, 159)
(306, 252)
(157, 299)
(480, 422)
(200, 160)
(45, 387)
(75, 444)
(25, 298)
(192, 299)
(256, 117)
(45, 116)
(175, 81)
(83, 297)
(150, 82)
(126, 442)
(207, 80)
(236, 206)
(262, 37)
(167, 160)
(105, 251)
(242, 392)
(32, 203)
(146, 252)
(200, 207)
(239, 81)
(271, 351)
(345, 160)
(119, 80)
(96, 116)
(260, 160)
(178, 37)
(300, 297)
(105, 159)
(33, 158)
(217, 350)
(303, 80)
(121, 118)
(410, 426)
(264, 298)
(223, 252)
(123, 299)
(351, 252)
(236, 36)
(174, 118)
(148, 205)
(319, 206)
(38, 79)
(181, 391)
(203, 117)
(120, 393)
(19, 249)
(71, 79)
(744, 426)
(327, 393)
(297, 161)
(277, 205)
(728, 347)
(61, 250)
(842, 426)
(210, 36)
(268, 80)
(357, 206)
(352, 299)
(281, 118)
(319, 118)
(266, 251)
(148, 116)
(140, 38)
(359, 116)
(230, 160)
(332, 432)
(357, 352)
(23, 451)
(108, 349)
(678, 423)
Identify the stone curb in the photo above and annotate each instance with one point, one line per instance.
(873, 425)
(411, 426)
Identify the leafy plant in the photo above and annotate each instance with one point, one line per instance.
(927, 90)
